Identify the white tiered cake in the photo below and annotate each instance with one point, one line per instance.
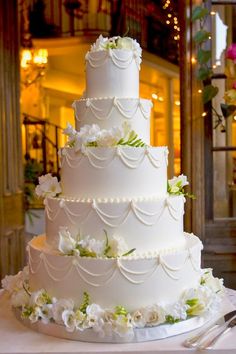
(137, 268)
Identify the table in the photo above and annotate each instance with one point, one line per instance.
(17, 339)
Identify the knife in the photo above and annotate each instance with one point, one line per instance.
(208, 344)
(196, 339)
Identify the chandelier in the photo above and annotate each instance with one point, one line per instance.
(33, 61)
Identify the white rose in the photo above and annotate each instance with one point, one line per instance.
(58, 308)
(138, 319)
(125, 43)
(154, 315)
(15, 282)
(66, 242)
(69, 130)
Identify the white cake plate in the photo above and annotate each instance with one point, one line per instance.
(140, 334)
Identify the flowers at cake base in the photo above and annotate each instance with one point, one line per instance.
(90, 247)
(48, 186)
(41, 306)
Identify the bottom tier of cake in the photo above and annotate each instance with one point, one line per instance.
(113, 296)
(132, 282)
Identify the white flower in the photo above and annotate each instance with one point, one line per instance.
(215, 284)
(40, 298)
(46, 313)
(36, 314)
(177, 310)
(20, 298)
(125, 43)
(58, 308)
(109, 137)
(138, 319)
(69, 320)
(70, 131)
(154, 315)
(66, 243)
(92, 245)
(79, 320)
(15, 282)
(118, 247)
(123, 325)
(48, 186)
(176, 184)
(100, 44)
(199, 300)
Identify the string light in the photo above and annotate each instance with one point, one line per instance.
(212, 13)
(172, 19)
(234, 117)
(214, 66)
(204, 114)
(154, 96)
(161, 99)
(177, 103)
(199, 91)
(193, 60)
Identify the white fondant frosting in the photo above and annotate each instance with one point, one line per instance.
(132, 281)
(112, 73)
(110, 112)
(147, 225)
(116, 172)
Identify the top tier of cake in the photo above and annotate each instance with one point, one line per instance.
(112, 68)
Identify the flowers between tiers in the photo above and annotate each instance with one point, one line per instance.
(42, 306)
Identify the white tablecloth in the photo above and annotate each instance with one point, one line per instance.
(15, 338)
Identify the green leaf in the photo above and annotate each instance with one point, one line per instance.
(199, 13)
(201, 36)
(227, 110)
(203, 73)
(203, 56)
(209, 92)
(192, 302)
(170, 319)
(129, 252)
(85, 303)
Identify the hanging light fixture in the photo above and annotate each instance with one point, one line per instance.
(33, 60)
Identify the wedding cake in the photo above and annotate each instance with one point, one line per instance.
(114, 257)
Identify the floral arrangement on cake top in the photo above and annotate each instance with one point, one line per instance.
(41, 306)
(90, 247)
(117, 42)
(175, 186)
(94, 136)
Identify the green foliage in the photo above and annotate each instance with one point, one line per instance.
(227, 110)
(132, 140)
(129, 252)
(170, 319)
(199, 13)
(203, 56)
(120, 311)
(107, 246)
(85, 303)
(84, 252)
(201, 36)
(204, 73)
(209, 92)
(27, 311)
(192, 302)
